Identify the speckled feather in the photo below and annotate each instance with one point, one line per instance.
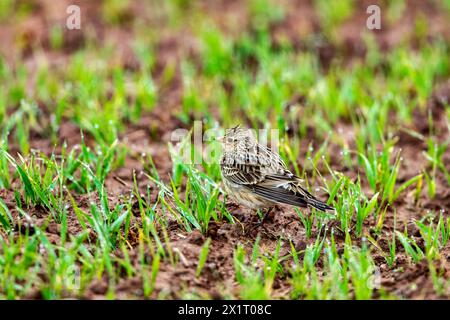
(257, 177)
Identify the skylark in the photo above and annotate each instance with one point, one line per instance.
(257, 177)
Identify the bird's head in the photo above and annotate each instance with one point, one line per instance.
(235, 136)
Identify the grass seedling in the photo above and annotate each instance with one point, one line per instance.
(362, 271)
(307, 221)
(6, 219)
(434, 155)
(203, 256)
(148, 278)
(444, 229)
(41, 179)
(355, 203)
(5, 178)
(255, 284)
(410, 246)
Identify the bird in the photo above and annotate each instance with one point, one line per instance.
(257, 177)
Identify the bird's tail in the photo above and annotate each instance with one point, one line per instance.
(319, 205)
(314, 202)
(289, 193)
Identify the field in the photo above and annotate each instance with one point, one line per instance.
(97, 201)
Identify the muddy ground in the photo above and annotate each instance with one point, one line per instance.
(403, 279)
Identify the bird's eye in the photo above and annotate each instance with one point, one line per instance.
(229, 140)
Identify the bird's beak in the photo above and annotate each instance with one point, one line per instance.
(220, 139)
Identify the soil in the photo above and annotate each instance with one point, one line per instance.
(151, 134)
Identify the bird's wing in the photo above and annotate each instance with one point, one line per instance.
(251, 167)
(286, 189)
(243, 173)
(282, 193)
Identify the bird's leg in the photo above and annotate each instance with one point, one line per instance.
(266, 215)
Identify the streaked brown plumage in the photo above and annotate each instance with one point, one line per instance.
(257, 177)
